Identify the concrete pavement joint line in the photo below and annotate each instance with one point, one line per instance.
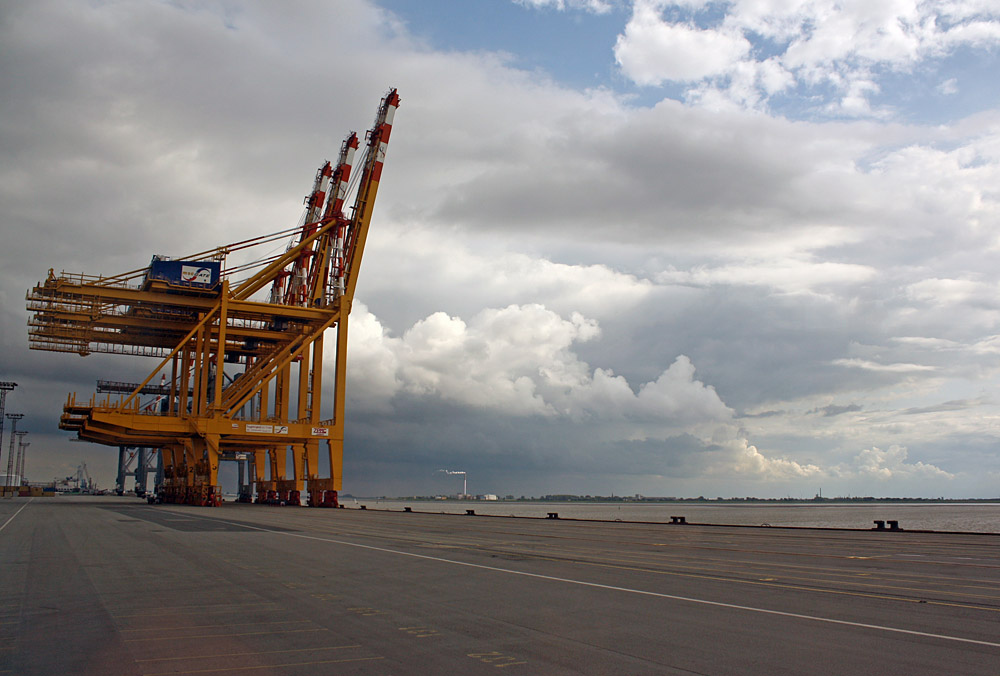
(743, 563)
(210, 626)
(265, 652)
(167, 610)
(597, 585)
(267, 666)
(799, 587)
(719, 577)
(16, 513)
(200, 636)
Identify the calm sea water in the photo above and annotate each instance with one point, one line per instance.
(965, 517)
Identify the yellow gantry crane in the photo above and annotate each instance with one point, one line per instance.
(238, 375)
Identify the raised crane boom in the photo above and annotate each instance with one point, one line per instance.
(288, 282)
(243, 375)
(378, 141)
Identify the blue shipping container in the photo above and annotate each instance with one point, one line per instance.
(198, 274)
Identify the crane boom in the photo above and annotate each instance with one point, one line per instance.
(378, 141)
(283, 290)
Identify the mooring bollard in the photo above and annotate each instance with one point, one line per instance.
(879, 525)
(363, 507)
(407, 509)
(470, 512)
(679, 519)
(553, 515)
(894, 525)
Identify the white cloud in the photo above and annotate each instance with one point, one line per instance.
(519, 360)
(452, 268)
(886, 465)
(505, 360)
(875, 366)
(595, 6)
(817, 42)
(949, 86)
(372, 361)
(989, 345)
(953, 291)
(651, 51)
(787, 275)
(674, 401)
(747, 461)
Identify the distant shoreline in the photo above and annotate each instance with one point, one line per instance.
(687, 501)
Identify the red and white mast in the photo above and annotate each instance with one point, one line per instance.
(377, 141)
(335, 209)
(298, 288)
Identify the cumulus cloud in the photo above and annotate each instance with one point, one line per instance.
(652, 50)
(892, 463)
(806, 43)
(519, 361)
(504, 360)
(749, 462)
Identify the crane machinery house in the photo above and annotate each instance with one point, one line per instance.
(205, 275)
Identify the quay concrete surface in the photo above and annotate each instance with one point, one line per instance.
(107, 585)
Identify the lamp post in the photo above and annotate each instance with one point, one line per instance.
(19, 463)
(13, 417)
(5, 387)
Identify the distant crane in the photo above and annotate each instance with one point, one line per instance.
(465, 478)
(84, 484)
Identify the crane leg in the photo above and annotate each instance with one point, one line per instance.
(324, 492)
(173, 474)
(260, 461)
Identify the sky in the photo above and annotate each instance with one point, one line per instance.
(734, 248)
